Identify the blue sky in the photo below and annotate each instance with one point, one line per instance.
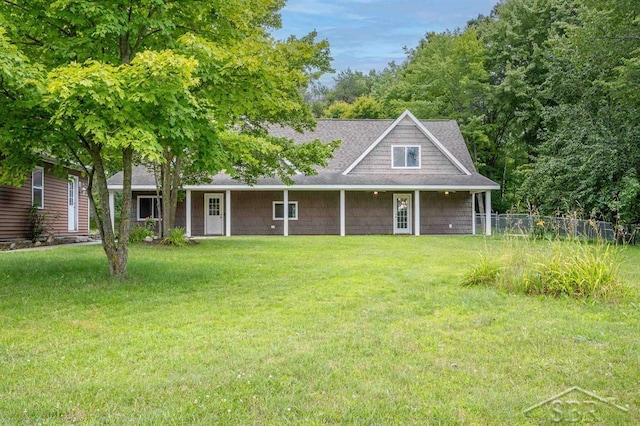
(368, 34)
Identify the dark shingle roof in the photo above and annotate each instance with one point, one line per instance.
(357, 136)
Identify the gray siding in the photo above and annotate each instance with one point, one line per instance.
(319, 213)
(252, 213)
(369, 214)
(433, 161)
(438, 210)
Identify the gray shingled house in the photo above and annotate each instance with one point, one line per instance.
(406, 176)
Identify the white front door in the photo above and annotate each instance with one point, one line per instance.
(213, 214)
(401, 213)
(72, 203)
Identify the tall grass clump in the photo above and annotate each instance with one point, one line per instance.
(570, 267)
(176, 238)
(485, 272)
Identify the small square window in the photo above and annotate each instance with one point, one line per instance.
(406, 157)
(278, 210)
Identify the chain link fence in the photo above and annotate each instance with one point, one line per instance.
(524, 224)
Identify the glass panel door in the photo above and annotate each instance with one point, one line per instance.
(402, 214)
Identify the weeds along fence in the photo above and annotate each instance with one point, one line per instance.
(524, 224)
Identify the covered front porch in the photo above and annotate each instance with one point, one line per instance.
(340, 212)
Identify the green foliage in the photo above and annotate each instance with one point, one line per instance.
(486, 272)
(38, 223)
(591, 136)
(139, 233)
(576, 270)
(338, 109)
(444, 77)
(176, 238)
(349, 86)
(558, 268)
(365, 107)
(20, 91)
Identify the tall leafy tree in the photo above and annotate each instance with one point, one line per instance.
(21, 90)
(591, 155)
(188, 85)
(348, 86)
(443, 77)
(516, 36)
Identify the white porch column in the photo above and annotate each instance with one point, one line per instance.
(416, 215)
(473, 214)
(487, 202)
(227, 213)
(343, 214)
(187, 222)
(112, 210)
(285, 213)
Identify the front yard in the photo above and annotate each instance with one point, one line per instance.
(303, 330)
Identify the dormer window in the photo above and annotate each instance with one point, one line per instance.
(405, 157)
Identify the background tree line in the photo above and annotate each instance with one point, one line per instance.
(546, 93)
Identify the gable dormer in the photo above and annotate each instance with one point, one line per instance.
(407, 147)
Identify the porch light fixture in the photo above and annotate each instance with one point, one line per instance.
(375, 192)
(446, 192)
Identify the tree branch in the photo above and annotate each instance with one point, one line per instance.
(19, 6)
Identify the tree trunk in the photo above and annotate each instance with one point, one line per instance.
(120, 269)
(117, 252)
(170, 177)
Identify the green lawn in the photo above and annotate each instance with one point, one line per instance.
(302, 330)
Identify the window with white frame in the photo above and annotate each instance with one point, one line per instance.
(37, 188)
(149, 207)
(405, 157)
(278, 210)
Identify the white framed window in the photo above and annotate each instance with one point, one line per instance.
(278, 210)
(149, 207)
(37, 188)
(405, 157)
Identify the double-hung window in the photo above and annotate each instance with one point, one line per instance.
(405, 157)
(37, 188)
(149, 207)
(278, 210)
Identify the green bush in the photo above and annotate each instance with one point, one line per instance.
(139, 233)
(38, 223)
(558, 268)
(484, 273)
(176, 237)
